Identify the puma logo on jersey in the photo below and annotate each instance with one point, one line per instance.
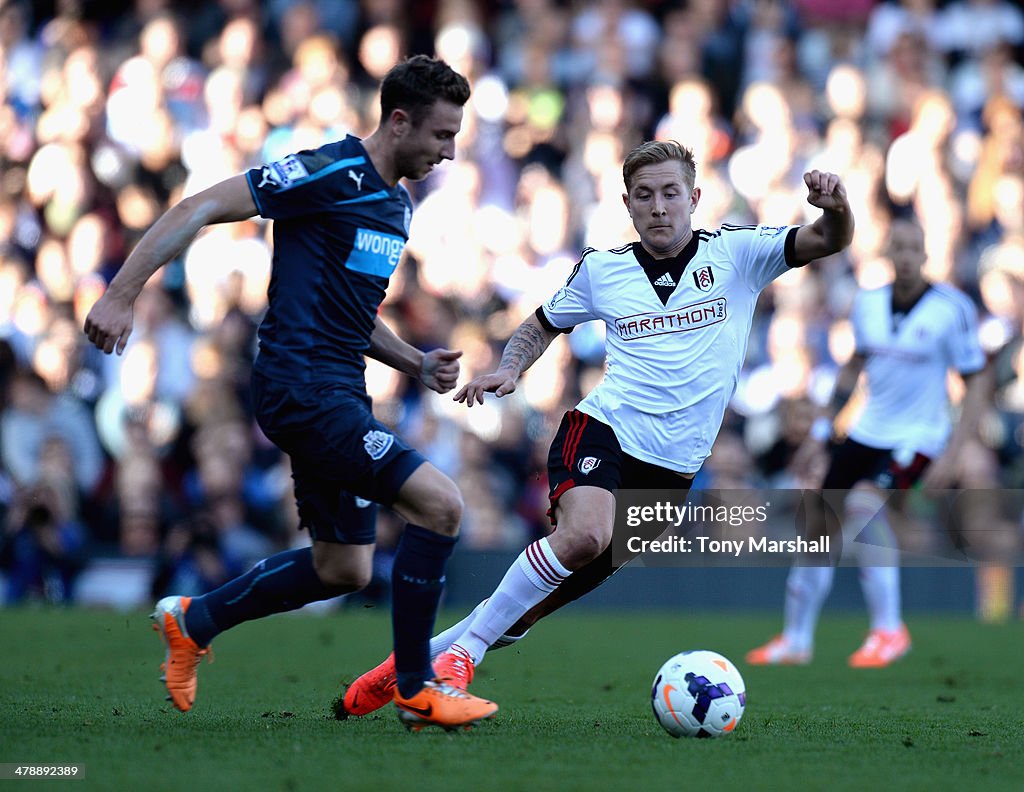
(665, 280)
(357, 178)
(267, 178)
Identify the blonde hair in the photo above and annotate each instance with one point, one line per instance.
(655, 151)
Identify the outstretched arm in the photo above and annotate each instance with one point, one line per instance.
(523, 349)
(109, 323)
(831, 232)
(437, 369)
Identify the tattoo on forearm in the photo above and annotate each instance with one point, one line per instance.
(840, 396)
(527, 344)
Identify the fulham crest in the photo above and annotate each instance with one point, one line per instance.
(704, 278)
(588, 463)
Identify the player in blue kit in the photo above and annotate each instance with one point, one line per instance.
(341, 223)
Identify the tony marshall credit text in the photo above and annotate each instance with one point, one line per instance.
(734, 547)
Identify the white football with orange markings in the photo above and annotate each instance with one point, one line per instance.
(698, 694)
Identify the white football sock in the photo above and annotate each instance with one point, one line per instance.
(881, 586)
(440, 642)
(506, 640)
(532, 576)
(443, 640)
(877, 551)
(806, 590)
(868, 532)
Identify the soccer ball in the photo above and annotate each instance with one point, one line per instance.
(698, 694)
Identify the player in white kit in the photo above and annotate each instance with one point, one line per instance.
(677, 306)
(908, 334)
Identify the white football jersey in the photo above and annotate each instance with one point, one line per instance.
(908, 357)
(671, 368)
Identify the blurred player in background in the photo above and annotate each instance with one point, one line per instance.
(908, 334)
(342, 220)
(677, 306)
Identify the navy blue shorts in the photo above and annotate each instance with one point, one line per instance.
(344, 461)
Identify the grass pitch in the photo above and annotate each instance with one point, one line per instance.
(82, 687)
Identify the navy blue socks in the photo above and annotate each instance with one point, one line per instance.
(287, 581)
(282, 582)
(417, 580)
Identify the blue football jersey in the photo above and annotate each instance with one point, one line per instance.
(339, 233)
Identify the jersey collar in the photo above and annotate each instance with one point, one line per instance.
(900, 311)
(665, 274)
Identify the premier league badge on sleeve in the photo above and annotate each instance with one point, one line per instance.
(704, 278)
(282, 174)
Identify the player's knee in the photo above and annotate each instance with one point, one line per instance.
(592, 544)
(346, 578)
(347, 581)
(586, 545)
(444, 513)
(357, 579)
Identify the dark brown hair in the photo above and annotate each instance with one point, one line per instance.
(414, 85)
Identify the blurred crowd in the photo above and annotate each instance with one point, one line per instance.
(111, 112)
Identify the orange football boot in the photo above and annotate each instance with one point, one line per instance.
(183, 654)
(881, 648)
(454, 667)
(439, 704)
(369, 692)
(778, 651)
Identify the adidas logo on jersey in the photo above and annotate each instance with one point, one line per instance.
(665, 280)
